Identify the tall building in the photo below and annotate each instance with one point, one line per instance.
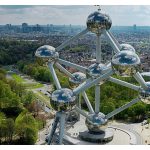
(25, 28)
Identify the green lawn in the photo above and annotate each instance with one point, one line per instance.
(33, 85)
(17, 78)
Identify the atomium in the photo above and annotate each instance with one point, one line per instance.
(127, 47)
(126, 62)
(98, 21)
(63, 100)
(66, 102)
(78, 77)
(96, 69)
(47, 53)
(145, 94)
(97, 122)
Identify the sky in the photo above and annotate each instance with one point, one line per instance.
(75, 14)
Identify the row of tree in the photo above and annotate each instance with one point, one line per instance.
(11, 51)
(34, 70)
(19, 119)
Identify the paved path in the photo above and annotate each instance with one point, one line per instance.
(130, 128)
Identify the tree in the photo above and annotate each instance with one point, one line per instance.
(2, 125)
(28, 98)
(26, 128)
(10, 129)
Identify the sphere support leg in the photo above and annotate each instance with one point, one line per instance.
(53, 129)
(62, 127)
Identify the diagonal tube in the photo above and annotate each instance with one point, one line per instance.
(55, 79)
(141, 81)
(83, 113)
(75, 66)
(63, 70)
(111, 41)
(123, 83)
(88, 102)
(71, 40)
(89, 83)
(116, 42)
(122, 108)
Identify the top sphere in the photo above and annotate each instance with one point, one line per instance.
(127, 47)
(47, 53)
(98, 21)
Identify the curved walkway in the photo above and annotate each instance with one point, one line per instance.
(135, 138)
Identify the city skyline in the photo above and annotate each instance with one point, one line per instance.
(59, 15)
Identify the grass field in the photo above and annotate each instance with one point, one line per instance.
(17, 78)
(33, 85)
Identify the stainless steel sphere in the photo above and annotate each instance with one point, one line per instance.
(47, 53)
(127, 47)
(96, 70)
(145, 94)
(98, 21)
(63, 100)
(97, 123)
(126, 63)
(78, 77)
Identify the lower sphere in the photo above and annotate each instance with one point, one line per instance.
(97, 123)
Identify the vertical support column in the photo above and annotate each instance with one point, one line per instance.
(53, 129)
(62, 127)
(98, 49)
(97, 98)
(97, 87)
(79, 102)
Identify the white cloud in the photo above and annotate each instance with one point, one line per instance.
(121, 15)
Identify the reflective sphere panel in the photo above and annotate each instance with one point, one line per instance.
(46, 52)
(145, 94)
(98, 21)
(127, 47)
(126, 62)
(96, 69)
(78, 77)
(97, 123)
(63, 100)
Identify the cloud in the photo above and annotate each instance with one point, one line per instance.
(121, 15)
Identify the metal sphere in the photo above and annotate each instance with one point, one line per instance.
(97, 123)
(145, 94)
(127, 47)
(78, 77)
(96, 69)
(47, 53)
(126, 63)
(63, 100)
(98, 21)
